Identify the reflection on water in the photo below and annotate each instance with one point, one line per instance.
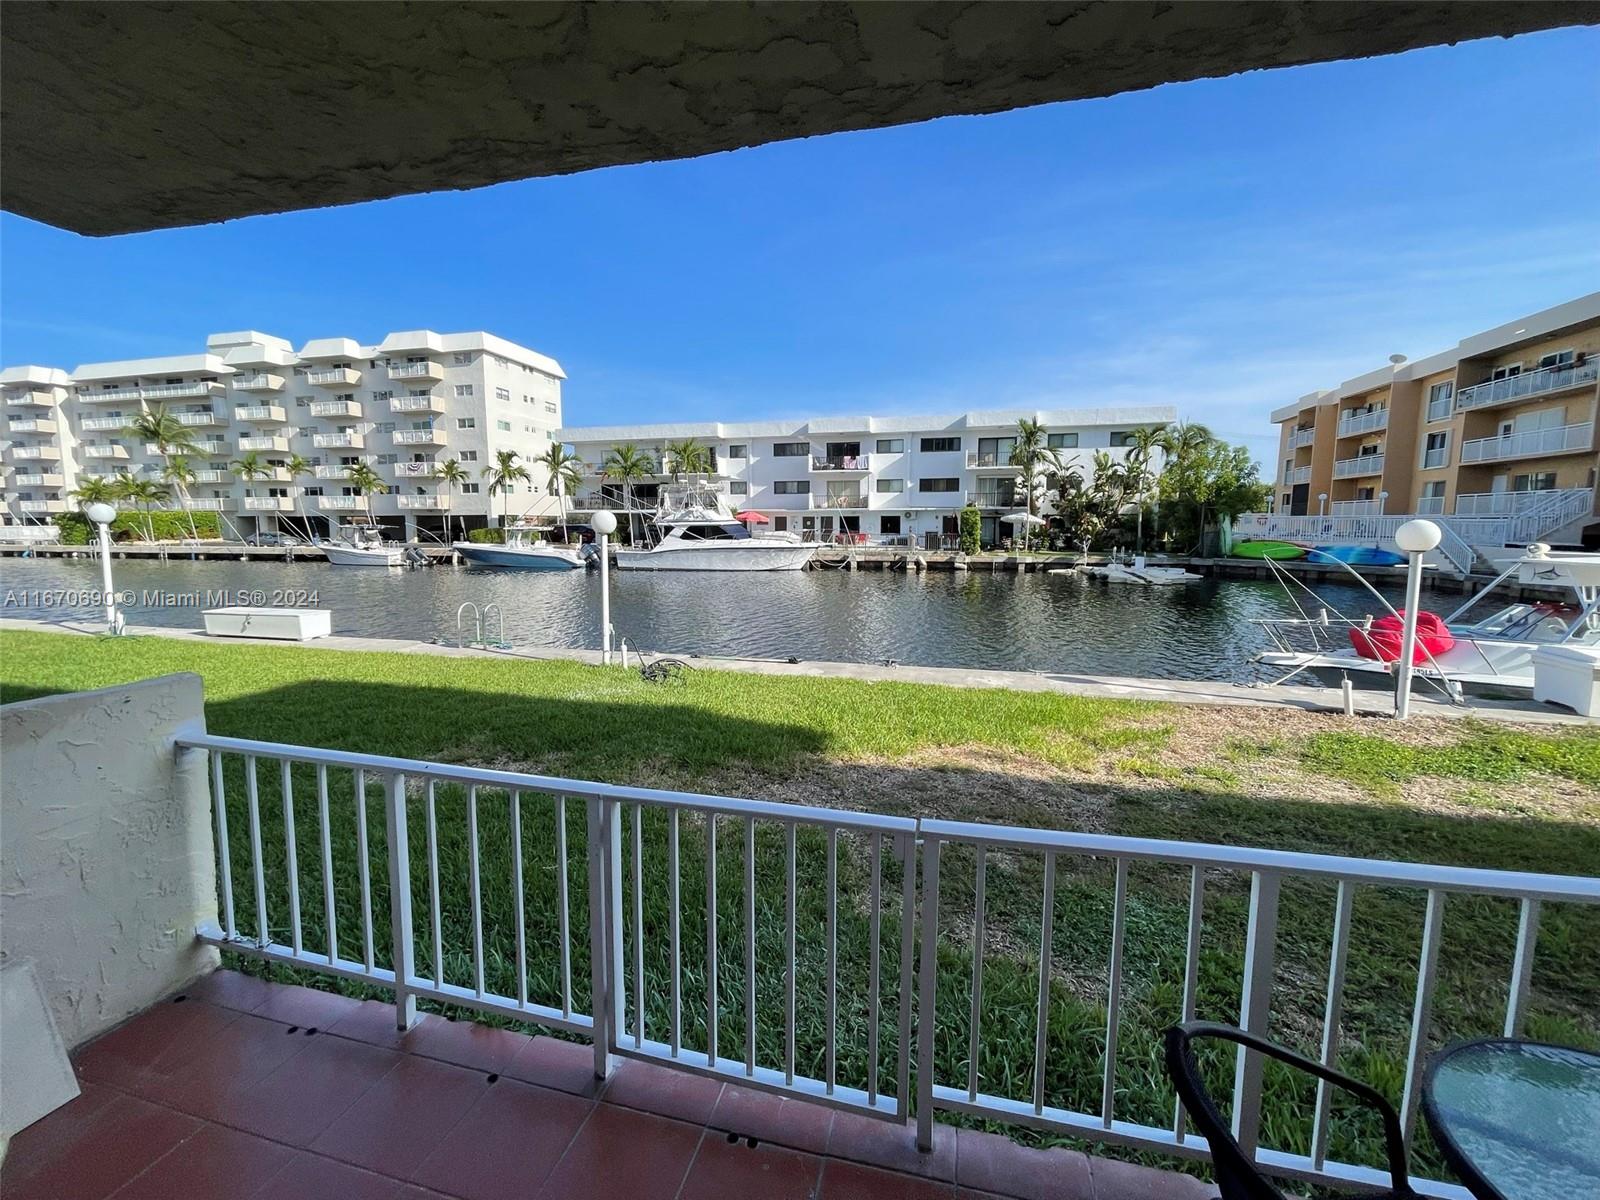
(1037, 622)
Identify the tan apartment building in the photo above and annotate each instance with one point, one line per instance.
(1503, 424)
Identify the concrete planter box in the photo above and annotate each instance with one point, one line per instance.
(1569, 676)
(286, 624)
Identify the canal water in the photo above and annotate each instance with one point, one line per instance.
(1003, 621)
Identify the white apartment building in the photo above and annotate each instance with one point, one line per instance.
(886, 477)
(403, 406)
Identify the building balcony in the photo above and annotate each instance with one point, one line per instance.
(427, 370)
(414, 470)
(1530, 384)
(268, 442)
(1362, 422)
(31, 398)
(210, 504)
(428, 503)
(42, 506)
(983, 460)
(1533, 443)
(844, 463)
(1430, 506)
(102, 424)
(339, 377)
(38, 453)
(1361, 464)
(598, 501)
(113, 396)
(37, 479)
(268, 504)
(162, 392)
(1301, 438)
(343, 503)
(339, 441)
(418, 437)
(210, 418)
(263, 381)
(335, 408)
(262, 414)
(90, 451)
(32, 425)
(1357, 508)
(210, 475)
(844, 500)
(332, 471)
(1294, 475)
(416, 404)
(993, 498)
(1506, 504)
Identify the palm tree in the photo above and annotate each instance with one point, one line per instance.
(180, 475)
(688, 457)
(452, 474)
(628, 464)
(365, 480)
(94, 491)
(145, 493)
(1142, 444)
(170, 437)
(565, 470)
(1184, 444)
(501, 474)
(298, 465)
(1032, 455)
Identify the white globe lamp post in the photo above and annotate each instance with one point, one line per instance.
(1415, 538)
(604, 524)
(102, 514)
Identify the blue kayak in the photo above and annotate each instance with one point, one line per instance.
(1360, 556)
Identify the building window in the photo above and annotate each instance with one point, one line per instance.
(892, 446)
(462, 360)
(1063, 441)
(738, 450)
(1286, 501)
(792, 487)
(499, 394)
(780, 524)
(1439, 400)
(1536, 481)
(941, 445)
(503, 426)
(463, 389)
(466, 422)
(738, 487)
(890, 486)
(1437, 451)
(469, 489)
(791, 450)
(469, 456)
(1121, 437)
(938, 485)
(889, 525)
(550, 406)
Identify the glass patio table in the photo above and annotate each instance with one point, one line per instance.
(1517, 1120)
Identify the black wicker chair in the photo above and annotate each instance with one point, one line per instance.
(1236, 1175)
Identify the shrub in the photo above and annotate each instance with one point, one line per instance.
(971, 529)
(494, 536)
(131, 527)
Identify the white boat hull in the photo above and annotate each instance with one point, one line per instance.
(752, 555)
(1484, 665)
(350, 556)
(1145, 576)
(523, 558)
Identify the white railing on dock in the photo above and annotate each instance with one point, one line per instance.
(606, 949)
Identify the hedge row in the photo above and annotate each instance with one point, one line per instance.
(135, 526)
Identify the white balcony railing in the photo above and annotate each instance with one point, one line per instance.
(416, 370)
(102, 424)
(414, 470)
(202, 419)
(416, 404)
(1357, 508)
(42, 506)
(1361, 464)
(268, 504)
(334, 377)
(845, 500)
(989, 459)
(993, 498)
(338, 441)
(431, 503)
(92, 451)
(1527, 384)
(332, 471)
(35, 479)
(1302, 437)
(418, 437)
(1532, 443)
(1363, 422)
(210, 475)
(1430, 506)
(264, 443)
(209, 504)
(178, 391)
(343, 503)
(46, 454)
(335, 408)
(265, 414)
(31, 398)
(1498, 504)
(1293, 475)
(902, 863)
(110, 396)
(261, 382)
(33, 425)
(841, 462)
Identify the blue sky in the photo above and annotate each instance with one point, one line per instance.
(1224, 246)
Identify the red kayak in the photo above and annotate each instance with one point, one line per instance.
(1382, 640)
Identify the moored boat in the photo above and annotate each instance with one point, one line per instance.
(695, 531)
(362, 546)
(523, 550)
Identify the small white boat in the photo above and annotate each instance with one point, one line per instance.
(695, 531)
(1489, 656)
(362, 546)
(1140, 572)
(524, 550)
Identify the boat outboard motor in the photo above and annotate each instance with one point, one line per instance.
(416, 556)
(589, 553)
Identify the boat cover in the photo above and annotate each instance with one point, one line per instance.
(1382, 640)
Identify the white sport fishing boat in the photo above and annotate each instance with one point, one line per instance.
(524, 549)
(1492, 655)
(694, 530)
(362, 546)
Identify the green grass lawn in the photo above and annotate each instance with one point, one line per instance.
(1449, 792)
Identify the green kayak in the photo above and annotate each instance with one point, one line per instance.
(1268, 549)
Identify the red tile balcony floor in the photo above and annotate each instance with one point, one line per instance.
(255, 1091)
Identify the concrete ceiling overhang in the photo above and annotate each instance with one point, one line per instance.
(116, 117)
